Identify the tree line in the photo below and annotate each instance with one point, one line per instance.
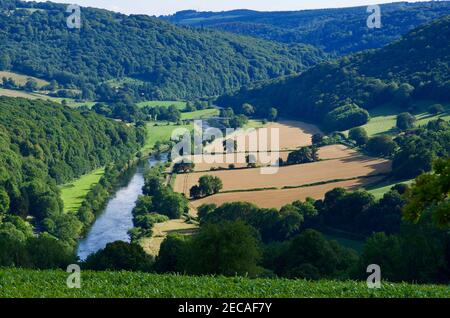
(337, 94)
(44, 145)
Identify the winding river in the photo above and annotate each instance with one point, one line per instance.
(116, 219)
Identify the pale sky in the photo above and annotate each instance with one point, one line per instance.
(164, 7)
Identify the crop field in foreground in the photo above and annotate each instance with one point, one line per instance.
(52, 284)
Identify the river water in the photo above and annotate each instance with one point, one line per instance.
(116, 219)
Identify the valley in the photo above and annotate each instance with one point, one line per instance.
(330, 152)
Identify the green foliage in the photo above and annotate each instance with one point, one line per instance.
(336, 30)
(173, 255)
(44, 144)
(164, 61)
(271, 224)
(303, 155)
(311, 256)
(395, 73)
(419, 148)
(359, 135)
(436, 109)
(210, 185)
(381, 146)
(225, 248)
(345, 117)
(119, 256)
(15, 283)
(405, 121)
(430, 194)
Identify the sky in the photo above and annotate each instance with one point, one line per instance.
(164, 7)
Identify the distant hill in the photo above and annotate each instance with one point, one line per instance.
(415, 67)
(144, 56)
(341, 30)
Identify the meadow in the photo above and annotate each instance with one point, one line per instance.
(160, 131)
(20, 283)
(23, 79)
(198, 114)
(164, 103)
(73, 193)
(383, 118)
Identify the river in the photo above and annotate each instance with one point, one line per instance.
(114, 222)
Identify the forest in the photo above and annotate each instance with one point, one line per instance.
(415, 67)
(44, 145)
(141, 55)
(338, 31)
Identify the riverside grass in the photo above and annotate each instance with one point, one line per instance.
(20, 283)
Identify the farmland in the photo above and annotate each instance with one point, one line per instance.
(21, 283)
(280, 197)
(292, 134)
(339, 166)
(291, 176)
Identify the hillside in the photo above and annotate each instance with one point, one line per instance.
(415, 67)
(42, 145)
(34, 284)
(145, 56)
(340, 30)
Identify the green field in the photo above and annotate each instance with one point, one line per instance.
(383, 118)
(163, 103)
(52, 284)
(74, 193)
(32, 95)
(160, 131)
(378, 190)
(23, 79)
(198, 114)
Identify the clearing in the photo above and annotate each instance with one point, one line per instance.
(292, 135)
(21, 79)
(383, 118)
(152, 244)
(73, 193)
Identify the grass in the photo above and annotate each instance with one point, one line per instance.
(164, 103)
(23, 79)
(383, 118)
(378, 190)
(160, 131)
(254, 123)
(33, 95)
(74, 193)
(19, 283)
(204, 113)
